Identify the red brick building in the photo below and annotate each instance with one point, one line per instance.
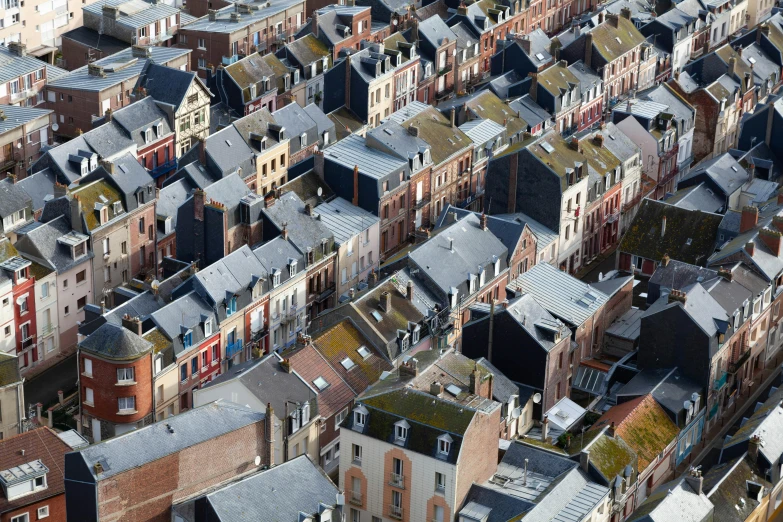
(115, 380)
(31, 475)
(140, 476)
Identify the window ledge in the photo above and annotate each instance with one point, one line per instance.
(85, 374)
(127, 412)
(126, 383)
(88, 403)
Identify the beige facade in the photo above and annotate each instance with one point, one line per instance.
(271, 169)
(12, 405)
(381, 101)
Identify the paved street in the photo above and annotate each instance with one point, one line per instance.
(44, 386)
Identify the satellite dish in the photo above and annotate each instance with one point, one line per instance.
(515, 413)
(394, 22)
(55, 127)
(320, 192)
(258, 460)
(537, 398)
(453, 52)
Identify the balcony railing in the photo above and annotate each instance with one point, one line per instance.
(47, 329)
(737, 365)
(22, 95)
(669, 176)
(233, 348)
(611, 218)
(395, 512)
(164, 168)
(355, 498)
(259, 334)
(425, 198)
(28, 343)
(289, 316)
(6, 165)
(396, 480)
(228, 60)
(323, 296)
(628, 205)
(720, 382)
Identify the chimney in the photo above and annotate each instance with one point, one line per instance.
(373, 279)
(611, 430)
(314, 24)
(575, 143)
(613, 20)
(202, 151)
(695, 480)
(385, 302)
(308, 209)
(409, 291)
(285, 364)
(284, 232)
(108, 114)
(544, 429)
(777, 222)
(763, 30)
(76, 214)
(725, 273)
(462, 9)
(663, 226)
(452, 114)
(132, 323)
(436, 388)
(598, 139)
(665, 260)
(589, 45)
(771, 239)
(212, 13)
(60, 190)
(18, 49)
(410, 367)
(750, 247)
(141, 51)
(269, 428)
(625, 12)
(95, 70)
(413, 130)
(601, 17)
(533, 85)
(749, 219)
(678, 296)
(355, 186)
(199, 197)
(751, 171)
(584, 460)
(483, 221)
(732, 65)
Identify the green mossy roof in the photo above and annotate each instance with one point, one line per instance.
(424, 409)
(436, 130)
(610, 456)
(605, 38)
(158, 340)
(91, 194)
(557, 77)
(562, 157)
(7, 250)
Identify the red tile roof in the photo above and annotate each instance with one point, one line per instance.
(310, 365)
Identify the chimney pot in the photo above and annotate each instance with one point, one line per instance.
(410, 290)
(385, 302)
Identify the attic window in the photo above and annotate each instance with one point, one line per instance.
(364, 352)
(360, 417)
(689, 241)
(401, 431)
(275, 277)
(292, 267)
(348, 364)
(303, 139)
(321, 383)
(444, 444)
(453, 389)
(377, 316)
(147, 135)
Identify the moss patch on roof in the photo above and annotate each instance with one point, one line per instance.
(39, 271)
(557, 77)
(90, 194)
(562, 156)
(158, 340)
(436, 129)
(610, 456)
(726, 53)
(424, 409)
(612, 41)
(276, 65)
(393, 42)
(7, 250)
(598, 156)
(490, 107)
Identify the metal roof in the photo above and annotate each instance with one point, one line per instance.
(644, 108)
(134, 13)
(224, 24)
(481, 131)
(17, 116)
(119, 67)
(12, 66)
(345, 220)
(352, 151)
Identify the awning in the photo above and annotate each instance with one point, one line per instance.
(42, 50)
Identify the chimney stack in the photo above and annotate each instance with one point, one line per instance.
(544, 429)
(132, 323)
(18, 49)
(726, 274)
(202, 151)
(452, 117)
(483, 221)
(385, 302)
(678, 296)
(750, 248)
(589, 44)
(611, 430)
(355, 201)
(436, 388)
(413, 130)
(749, 219)
(269, 428)
(76, 214)
(584, 460)
(625, 12)
(199, 197)
(772, 240)
(695, 481)
(665, 260)
(777, 222)
(732, 66)
(409, 291)
(285, 364)
(284, 232)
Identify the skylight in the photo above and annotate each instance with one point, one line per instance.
(321, 383)
(377, 316)
(347, 363)
(547, 147)
(453, 389)
(363, 352)
(618, 39)
(539, 56)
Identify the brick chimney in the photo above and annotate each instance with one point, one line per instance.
(132, 323)
(665, 260)
(749, 219)
(533, 85)
(285, 364)
(732, 66)
(750, 247)
(777, 222)
(76, 214)
(771, 239)
(678, 296)
(695, 481)
(355, 186)
(17, 49)
(589, 44)
(611, 430)
(625, 13)
(60, 190)
(199, 198)
(108, 114)
(754, 444)
(598, 139)
(269, 429)
(410, 367)
(452, 114)
(480, 386)
(385, 302)
(726, 274)
(483, 221)
(284, 232)
(436, 388)
(314, 23)
(409, 291)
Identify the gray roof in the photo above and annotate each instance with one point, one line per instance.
(345, 220)
(134, 13)
(269, 383)
(507, 231)
(17, 116)
(303, 230)
(115, 342)
(296, 122)
(186, 311)
(118, 68)
(170, 198)
(322, 121)
(307, 50)
(703, 309)
(228, 191)
(330, 16)
(724, 171)
(129, 175)
(224, 24)
(503, 388)
(156, 441)
(276, 254)
(40, 242)
(352, 151)
(562, 295)
(270, 493)
(145, 114)
(12, 66)
(13, 198)
(166, 84)
(473, 248)
(481, 131)
(528, 313)
(587, 77)
(38, 186)
(229, 151)
(545, 237)
(236, 272)
(92, 38)
(435, 30)
(670, 388)
(647, 109)
(618, 143)
(673, 501)
(627, 326)
(767, 423)
(697, 197)
(674, 104)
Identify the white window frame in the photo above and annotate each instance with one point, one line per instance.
(43, 512)
(123, 373)
(120, 401)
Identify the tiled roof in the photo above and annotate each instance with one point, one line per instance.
(310, 364)
(342, 341)
(612, 41)
(644, 425)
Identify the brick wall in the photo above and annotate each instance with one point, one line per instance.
(142, 229)
(478, 459)
(103, 383)
(56, 506)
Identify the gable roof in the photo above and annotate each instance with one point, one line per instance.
(612, 41)
(166, 84)
(308, 363)
(675, 500)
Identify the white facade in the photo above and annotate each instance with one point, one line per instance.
(47, 317)
(37, 23)
(572, 207)
(682, 53)
(287, 305)
(7, 324)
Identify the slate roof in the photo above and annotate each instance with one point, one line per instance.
(13, 198)
(435, 31)
(675, 500)
(507, 231)
(530, 111)
(38, 186)
(767, 423)
(166, 84)
(723, 170)
(169, 200)
(308, 49)
(435, 130)
(703, 309)
(545, 237)
(330, 16)
(726, 487)
(224, 24)
(562, 295)
(612, 42)
(17, 116)
(697, 197)
(689, 236)
(402, 312)
(345, 220)
(156, 441)
(352, 151)
(40, 241)
(124, 67)
(145, 114)
(304, 231)
(248, 71)
(115, 342)
(258, 496)
(297, 122)
(185, 311)
(611, 456)
(237, 272)
(497, 506)
(643, 425)
(92, 38)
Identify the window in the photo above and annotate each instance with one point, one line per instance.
(231, 306)
(359, 418)
(215, 354)
(194, 366)
(141, 226)
(183, 372)
(66, 310)
(444, 444)
(401, 431)
(208, 327)
(44, 290)
(23, 306)
(338, 419)
(127, 404)
(81, 276)
(21, 518)
(81, 303)
(187, 340)
(125, 375)
(440, 481)
(43, 512)
(203, 360)
(89, 397)
(321, 383)
(202, 44)
(357, 453)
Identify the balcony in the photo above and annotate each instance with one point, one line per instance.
(47, 330)
(259, 334)
(398, 481)
(7, 165)
(720, 382)
(233, 348)
(355, 498)
(737, 365)
(228, 60)
(162, 37)
(628, 205)
(611, 218)
(289, 317)
(323, 296)
(22, 95)
(395, 512)
(668, 177)
(163, 168)
(423, 200)
(28, 343)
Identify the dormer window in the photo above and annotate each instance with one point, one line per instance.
(482, 276)
(85, 168)
(231, 306)
(78, 250)
(263, 143)
(207, 327)
(148, 135)
(303, 140)
(401, 431)
(117, 207)
(159, 129)
(324, 246)
(291, 267)
(444, 445)
(325, 62)
(360, 414)
(275, 277)
(24, 479)
(415, 333)
(496, 261)
(471, 283)
(427, 157)
(187, 340)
